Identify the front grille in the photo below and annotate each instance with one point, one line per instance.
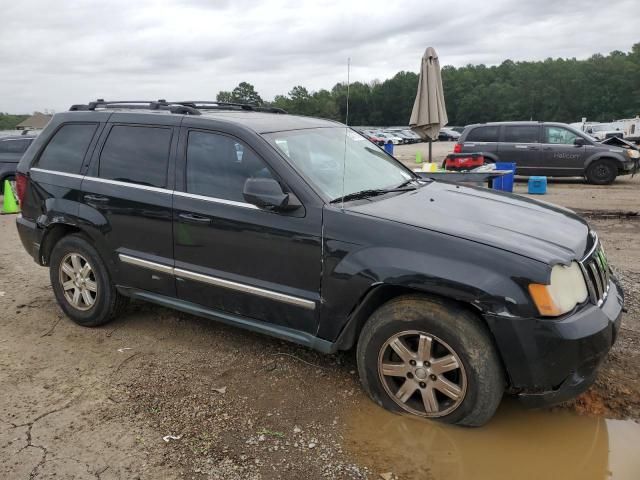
(597, 274)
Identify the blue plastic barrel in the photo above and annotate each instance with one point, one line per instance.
(388, 147)
(537, 185)
(504, 182)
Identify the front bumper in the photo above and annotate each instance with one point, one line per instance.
(553, 360)
(630, 166)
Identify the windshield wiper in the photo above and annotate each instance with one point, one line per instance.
(411, 180)
(370, 193)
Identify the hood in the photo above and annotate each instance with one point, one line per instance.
(531, 228)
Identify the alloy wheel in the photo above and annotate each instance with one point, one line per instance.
(422, 374)
(78, 281)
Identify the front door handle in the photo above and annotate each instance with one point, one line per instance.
(95, 199)
(192, 218)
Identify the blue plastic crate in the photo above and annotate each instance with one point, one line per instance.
(538, 185)
(505, 182)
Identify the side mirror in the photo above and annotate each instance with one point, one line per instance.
(267, 193)
(579, 142)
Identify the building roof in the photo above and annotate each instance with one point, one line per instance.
(36, 121)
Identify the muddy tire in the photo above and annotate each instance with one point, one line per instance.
(81, 283)
(602, 172)
(427, 357)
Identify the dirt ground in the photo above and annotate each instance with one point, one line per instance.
(96, 403)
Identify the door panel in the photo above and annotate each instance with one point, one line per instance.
(132, 207)
(520, 145)
(233, 256)
(561, 156)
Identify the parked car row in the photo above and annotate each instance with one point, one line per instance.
(404, 135)
(397, 135)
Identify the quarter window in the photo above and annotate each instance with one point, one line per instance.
(521, 134)
(137, 155)
(483, 134)
(218, 166)
(66, 150)
(559, 135)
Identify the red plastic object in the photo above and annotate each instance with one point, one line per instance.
(463, 161)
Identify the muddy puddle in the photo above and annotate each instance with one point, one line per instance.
(516, 444)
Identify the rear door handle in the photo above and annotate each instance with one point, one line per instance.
(192, 218)
(96, 199)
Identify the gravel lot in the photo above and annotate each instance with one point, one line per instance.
(96, 403)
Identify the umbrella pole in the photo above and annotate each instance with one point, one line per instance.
(430, 151)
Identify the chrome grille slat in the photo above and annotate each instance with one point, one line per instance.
(596, 273)
(596, 278)
(593, 296)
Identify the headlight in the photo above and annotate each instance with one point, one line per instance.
(566, 289)
(633, 153)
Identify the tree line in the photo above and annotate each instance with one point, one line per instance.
(600, 88)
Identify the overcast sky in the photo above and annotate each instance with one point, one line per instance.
(55, 53)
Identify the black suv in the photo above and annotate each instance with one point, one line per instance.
(545, 148)
(451, 294)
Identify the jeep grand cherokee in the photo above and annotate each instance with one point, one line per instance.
(451, 295)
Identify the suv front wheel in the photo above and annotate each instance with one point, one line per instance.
(602, 172)
(432, 359)
(81, 283)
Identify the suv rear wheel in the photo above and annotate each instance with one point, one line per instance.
(602, 172)
(432, 359)
(81, 283)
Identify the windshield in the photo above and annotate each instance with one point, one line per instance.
(319, 154)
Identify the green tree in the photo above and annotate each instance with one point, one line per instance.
(243, 93)
(224, 96)
(246, 93)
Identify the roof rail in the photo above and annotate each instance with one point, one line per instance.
(216, 105)
(191, 107)
(137, 104)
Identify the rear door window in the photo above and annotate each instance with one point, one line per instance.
(136, 154)
(521, 133)
(218, 166)
(66, 150)
(484, 134)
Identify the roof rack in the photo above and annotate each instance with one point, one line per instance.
(215, 105)
(191, 107)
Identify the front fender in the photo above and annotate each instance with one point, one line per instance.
(611, 154)
(412, 259)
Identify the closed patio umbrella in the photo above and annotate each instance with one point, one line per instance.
(429, 113)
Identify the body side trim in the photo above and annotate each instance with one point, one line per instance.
(219, 282)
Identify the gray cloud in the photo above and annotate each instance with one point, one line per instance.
(53, 54)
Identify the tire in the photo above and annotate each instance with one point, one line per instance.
(457, 336)
(602, 172)
(98, 301)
